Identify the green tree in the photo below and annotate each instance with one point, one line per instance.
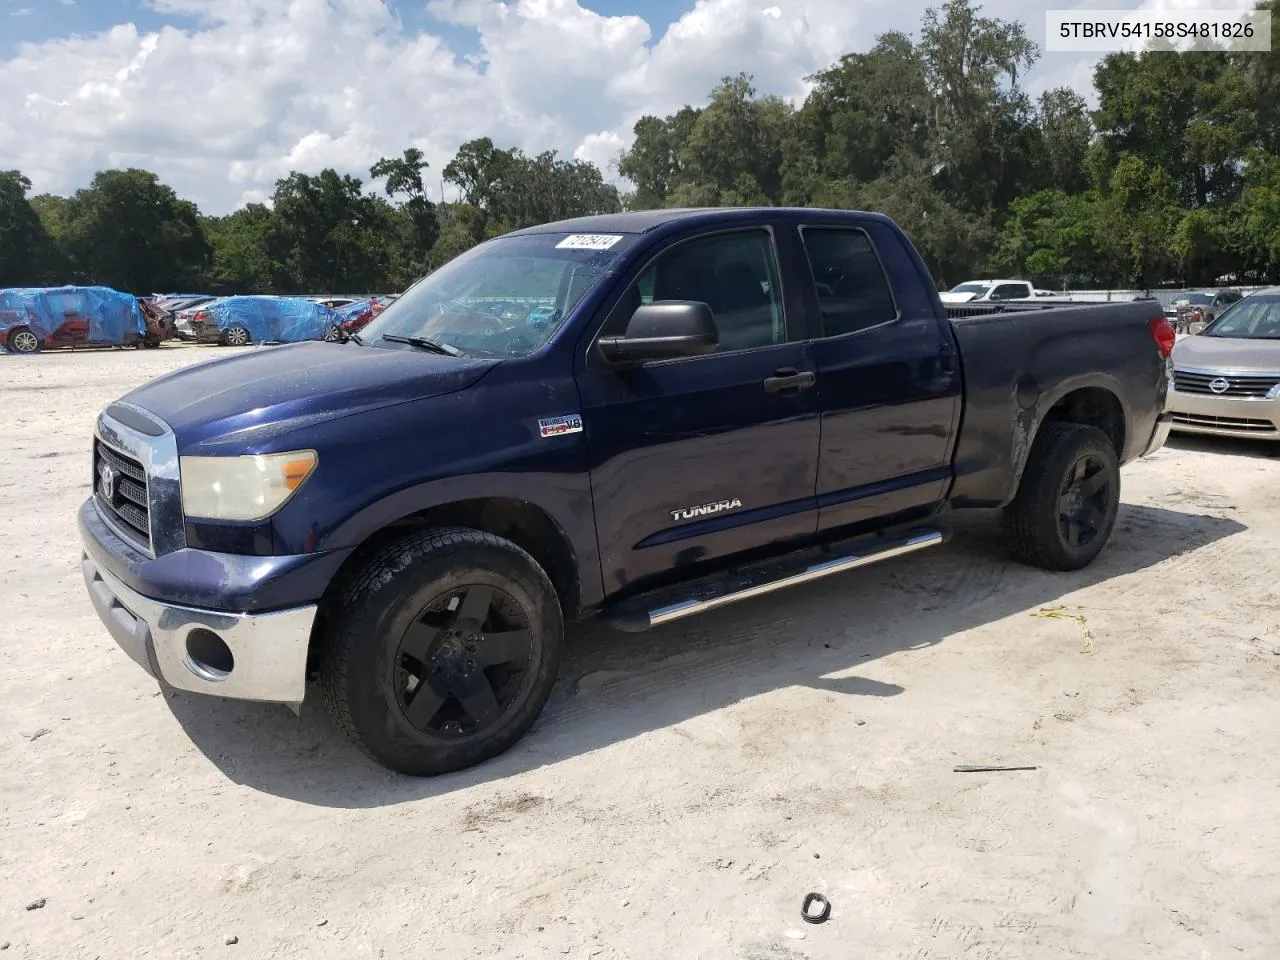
(862, 111)
(1052, 236)
(28, 256)
(1066, 132)
(653, 163)
(329, 235)
(130, 231)
(242, 258)
(403, 177)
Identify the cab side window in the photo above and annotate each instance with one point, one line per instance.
(1010, 291)
(735, 274)
(853, 293)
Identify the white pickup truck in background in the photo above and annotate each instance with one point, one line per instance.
(985, 291)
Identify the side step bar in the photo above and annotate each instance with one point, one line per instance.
(650, 610)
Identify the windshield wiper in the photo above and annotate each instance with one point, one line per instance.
(435, 346)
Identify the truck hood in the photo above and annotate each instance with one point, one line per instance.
(949, 297)
(250, 396)
(1227, 355)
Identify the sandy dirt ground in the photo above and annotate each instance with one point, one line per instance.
(685, 788)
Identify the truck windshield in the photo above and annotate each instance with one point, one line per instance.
(504, 298)
(1253, 318)
(971, 287)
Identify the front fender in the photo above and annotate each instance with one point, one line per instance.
(384, 465)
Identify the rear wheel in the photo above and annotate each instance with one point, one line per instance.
(22, 340)
(1068, 499)
(442, 650)
(236, 336)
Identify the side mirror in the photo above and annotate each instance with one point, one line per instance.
(664, 330)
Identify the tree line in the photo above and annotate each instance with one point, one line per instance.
(1173, 179)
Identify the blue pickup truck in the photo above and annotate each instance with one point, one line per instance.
(639, 417)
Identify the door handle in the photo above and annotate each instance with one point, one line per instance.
(789, 378)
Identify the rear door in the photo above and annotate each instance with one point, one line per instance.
(889, 383)
(700, 458)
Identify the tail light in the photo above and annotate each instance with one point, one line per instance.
(201, 315)
(1163, 334)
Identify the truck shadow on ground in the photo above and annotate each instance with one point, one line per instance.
(614, 686)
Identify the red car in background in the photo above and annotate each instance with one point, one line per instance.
(356, 316)
(74, 331)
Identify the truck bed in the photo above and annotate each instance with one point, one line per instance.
(1019, 364)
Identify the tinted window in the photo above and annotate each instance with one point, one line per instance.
(1010, 291)
(853, 293)
(733, 273)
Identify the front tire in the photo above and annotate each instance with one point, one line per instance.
(22, 340)
(441, 650)
(1068, 499)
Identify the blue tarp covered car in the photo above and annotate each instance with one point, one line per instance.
(35, 317)
(255, 319)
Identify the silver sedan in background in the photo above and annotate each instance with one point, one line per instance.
(1226, 379)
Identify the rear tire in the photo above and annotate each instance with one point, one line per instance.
(441, 650)
(236, 335)
(1068, 499)
(22, 340)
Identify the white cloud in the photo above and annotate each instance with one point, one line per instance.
(261, 87)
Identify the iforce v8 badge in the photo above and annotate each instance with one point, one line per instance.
(558, 426)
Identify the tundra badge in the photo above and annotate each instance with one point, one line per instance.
(688, 513)
(556, 426)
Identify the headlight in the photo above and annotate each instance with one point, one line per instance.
(242, 488)
(1274, 392)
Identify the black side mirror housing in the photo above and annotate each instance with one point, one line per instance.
(663, 330)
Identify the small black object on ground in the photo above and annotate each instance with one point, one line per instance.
(964, 768)
(824, 908)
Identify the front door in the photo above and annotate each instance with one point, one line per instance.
(699, 458)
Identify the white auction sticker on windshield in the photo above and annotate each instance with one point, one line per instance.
(589, 241)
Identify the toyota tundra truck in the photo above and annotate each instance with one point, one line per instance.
(637, 417)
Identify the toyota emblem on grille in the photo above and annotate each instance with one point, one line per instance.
(107, 482)
(1220, 385)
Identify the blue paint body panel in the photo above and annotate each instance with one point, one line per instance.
(903, 420)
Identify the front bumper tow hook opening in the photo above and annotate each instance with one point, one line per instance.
(208, 656)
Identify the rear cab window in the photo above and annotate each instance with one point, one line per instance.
(852, 290)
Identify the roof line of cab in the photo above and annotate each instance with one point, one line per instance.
(646, 221)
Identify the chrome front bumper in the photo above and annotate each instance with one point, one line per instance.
(267, 651)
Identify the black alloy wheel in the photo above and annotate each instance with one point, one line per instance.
(463, 661)
(1084, 501)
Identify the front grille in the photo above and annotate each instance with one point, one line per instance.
(1225, 423)
(125, 498)
(1253, 386)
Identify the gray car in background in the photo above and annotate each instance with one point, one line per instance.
(1226, 379)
